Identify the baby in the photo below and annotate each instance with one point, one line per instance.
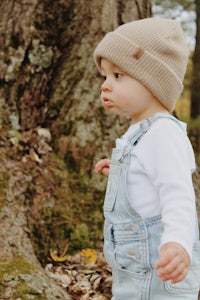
(151, 229)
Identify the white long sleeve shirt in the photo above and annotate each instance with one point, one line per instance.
(159, 180)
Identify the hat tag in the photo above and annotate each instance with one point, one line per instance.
(138, 53)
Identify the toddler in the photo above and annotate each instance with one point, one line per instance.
(151, 236)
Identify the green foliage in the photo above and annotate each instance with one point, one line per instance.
(67, 214)
(194, 133)
(79, 238)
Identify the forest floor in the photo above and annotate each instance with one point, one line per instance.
(85, 276)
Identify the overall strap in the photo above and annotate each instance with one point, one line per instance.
(147, 123)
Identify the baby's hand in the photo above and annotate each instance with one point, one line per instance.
(173, 262)
(103, 166)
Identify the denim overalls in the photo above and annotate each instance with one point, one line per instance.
(131, 243)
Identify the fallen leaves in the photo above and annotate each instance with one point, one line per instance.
(90, 255)
(57, 258)
(58, 275)
(85, 276)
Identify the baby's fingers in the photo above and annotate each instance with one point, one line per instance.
(173, 262)
(174, 271)
(100, 165)
(98, 168)
(103, 166)
(179, 277)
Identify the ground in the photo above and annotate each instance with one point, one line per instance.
(85, 275)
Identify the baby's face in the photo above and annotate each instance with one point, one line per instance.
(121, 94)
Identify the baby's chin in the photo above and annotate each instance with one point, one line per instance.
(115, 111)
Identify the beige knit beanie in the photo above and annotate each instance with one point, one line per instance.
(151, 50)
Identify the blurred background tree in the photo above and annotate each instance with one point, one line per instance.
(195, 107)
(188, 106)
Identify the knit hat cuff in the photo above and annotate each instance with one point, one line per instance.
(141, 65)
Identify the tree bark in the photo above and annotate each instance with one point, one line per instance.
(195, 99)
(52, 130)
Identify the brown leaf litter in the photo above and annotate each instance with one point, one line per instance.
(85, 276)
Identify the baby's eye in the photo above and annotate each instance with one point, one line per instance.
(118, 75)
(103, 77)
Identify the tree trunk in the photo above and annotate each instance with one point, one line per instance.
(195, 103)
(52, 130)
(195, 97)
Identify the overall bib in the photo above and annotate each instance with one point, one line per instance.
(131, 243)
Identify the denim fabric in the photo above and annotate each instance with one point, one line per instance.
(131, 243)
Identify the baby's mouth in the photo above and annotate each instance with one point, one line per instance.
(107, 101)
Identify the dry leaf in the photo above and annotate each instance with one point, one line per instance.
(63, 279)
(57, 258)
(90, 254)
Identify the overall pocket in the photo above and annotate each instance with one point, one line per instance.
(191, 283)
(130, 251)
(112, 187)
(129, 257)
